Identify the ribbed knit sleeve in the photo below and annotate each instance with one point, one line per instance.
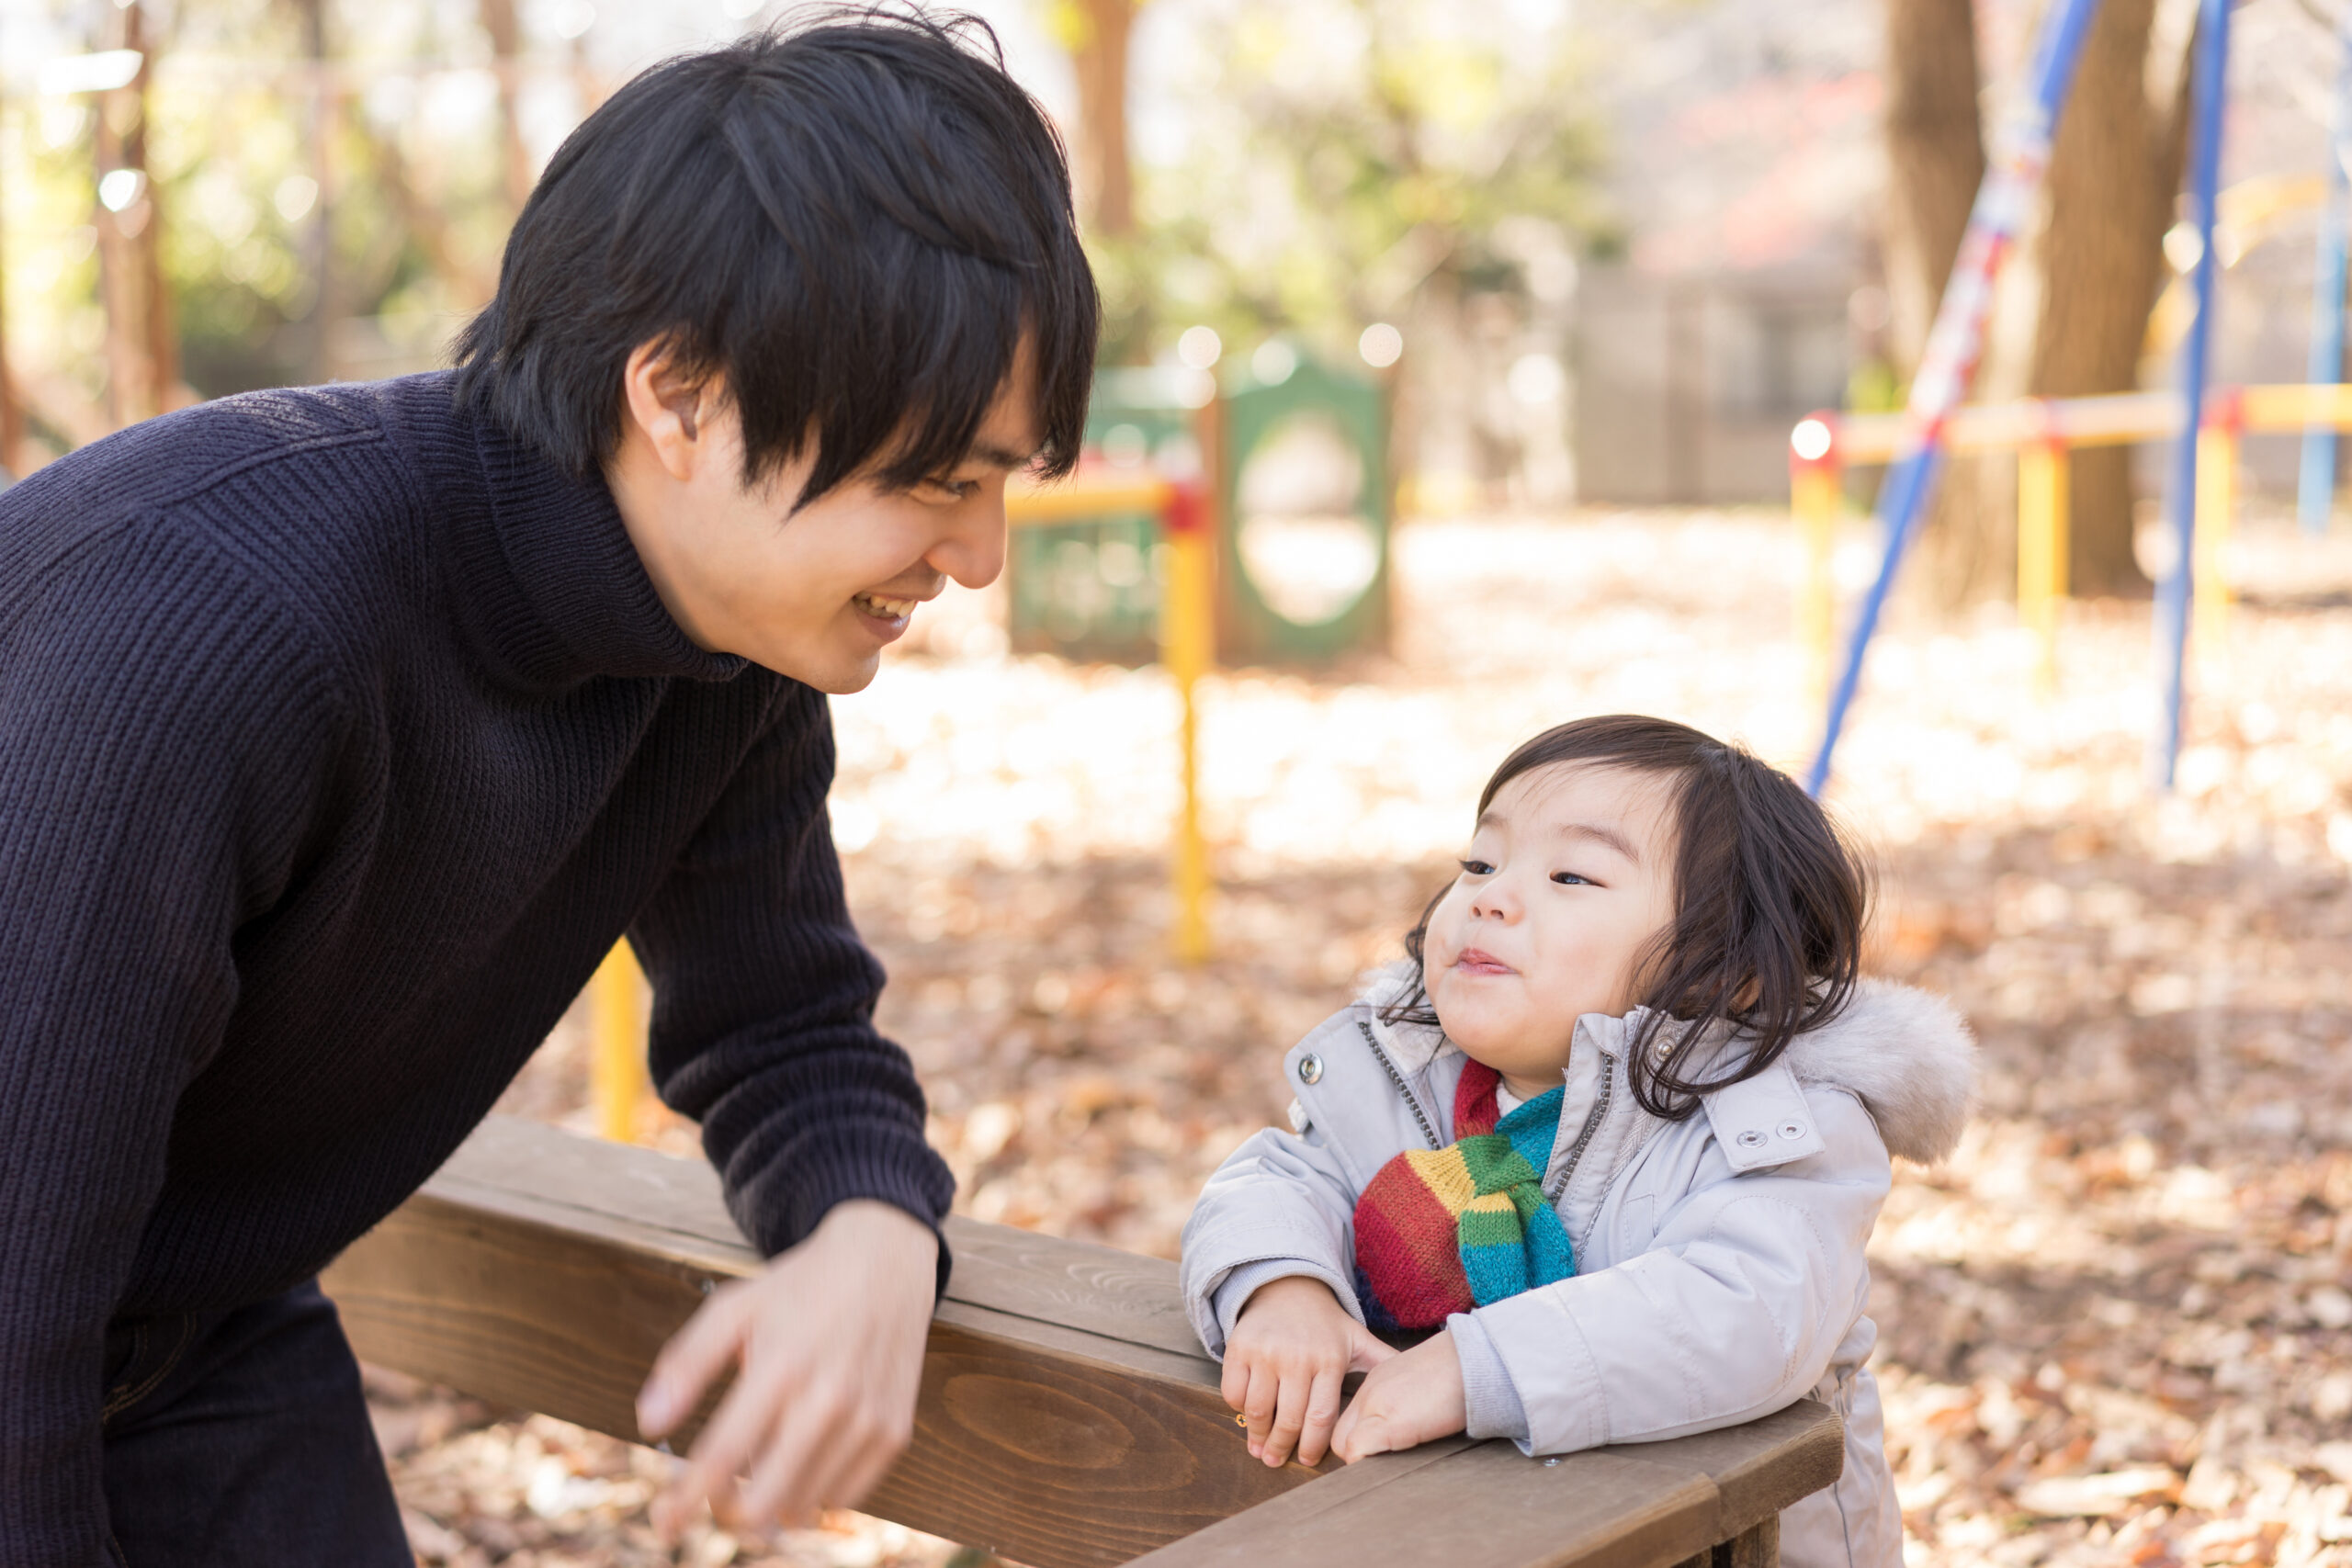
(162, 726)
(764, 1002)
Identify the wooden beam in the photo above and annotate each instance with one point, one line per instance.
(1068, 1418)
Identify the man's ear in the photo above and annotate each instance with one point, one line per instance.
(671, 410)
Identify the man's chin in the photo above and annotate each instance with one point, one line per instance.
(839, 676)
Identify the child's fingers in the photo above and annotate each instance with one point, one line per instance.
(1322, 1410)
(1365, 1349)
(1369, 1435)
(1257, 1405)
(1234, 1383)
(1290, 1415)
(1344, 1429)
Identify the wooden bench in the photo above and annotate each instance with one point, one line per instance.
(1068, 1418)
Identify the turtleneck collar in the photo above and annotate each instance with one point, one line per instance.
(549, 588)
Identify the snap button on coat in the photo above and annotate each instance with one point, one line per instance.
(1751, 1139)
(1310, 1068)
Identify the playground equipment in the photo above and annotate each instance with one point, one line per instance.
(1958, 336)
(2042, 432)
(1297, 453)
(1066, 1416)
(2316, 487)
(1178, 510)
(1930, 421)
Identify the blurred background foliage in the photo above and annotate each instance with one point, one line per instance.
(329, 183)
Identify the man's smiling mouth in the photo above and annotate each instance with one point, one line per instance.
(883, 607)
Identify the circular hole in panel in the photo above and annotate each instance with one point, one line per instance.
(1302, 540)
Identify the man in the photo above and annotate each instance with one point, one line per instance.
(342, 730)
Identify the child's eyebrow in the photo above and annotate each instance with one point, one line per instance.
(1599, 833)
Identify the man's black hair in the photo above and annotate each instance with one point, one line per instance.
(854, 221)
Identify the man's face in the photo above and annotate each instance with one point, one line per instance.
(818, 593)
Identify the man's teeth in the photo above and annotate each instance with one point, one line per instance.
(877, 605)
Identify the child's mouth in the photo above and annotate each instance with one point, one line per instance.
(1472, 960)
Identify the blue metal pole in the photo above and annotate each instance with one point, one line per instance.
(2172, 593)
(1948, 362)
(2315, 492)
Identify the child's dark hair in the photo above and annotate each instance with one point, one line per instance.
(1769, 902)
(856, 220)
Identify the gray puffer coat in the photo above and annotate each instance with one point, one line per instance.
(1719, 1269)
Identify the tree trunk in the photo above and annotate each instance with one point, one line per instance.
(500, 21)
(143, 349)
(12, 407)
(1099, 31)
(2114, 175)
(1934, 153)
(319, 242)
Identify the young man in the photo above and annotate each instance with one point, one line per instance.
(342, 730)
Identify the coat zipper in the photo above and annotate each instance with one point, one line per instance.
(1591, 1125)
(1399, 1080)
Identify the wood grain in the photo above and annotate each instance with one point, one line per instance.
(1066, 1417)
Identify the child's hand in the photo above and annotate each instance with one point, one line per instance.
(1410, 1399)
(1292, 1345)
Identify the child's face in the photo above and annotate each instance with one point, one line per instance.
(1568, 877)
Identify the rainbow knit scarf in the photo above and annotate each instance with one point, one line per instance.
(1440, 1230)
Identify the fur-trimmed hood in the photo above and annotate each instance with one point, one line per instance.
(1906, 1053)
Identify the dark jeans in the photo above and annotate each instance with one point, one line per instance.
(243, 1440)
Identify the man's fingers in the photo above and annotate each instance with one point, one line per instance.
(784, 1483)
(695, 1357)
(726, 1447)
(827, 1451)
(1322, 1410)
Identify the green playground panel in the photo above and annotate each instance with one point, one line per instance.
(1251, 630)
(1089, 589)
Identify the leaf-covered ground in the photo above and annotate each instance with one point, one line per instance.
(2113, 1328)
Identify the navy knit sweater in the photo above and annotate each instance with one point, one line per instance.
(340, 736)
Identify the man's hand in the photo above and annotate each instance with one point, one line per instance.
(1291, 1345)
(829, 1342)
(1405, 1402)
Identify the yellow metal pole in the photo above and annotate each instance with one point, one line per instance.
(2042, 528)
(1817, 495)
(2217, 490)
(618, 1083)
(1187, 648)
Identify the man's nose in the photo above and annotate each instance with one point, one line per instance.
(973, 550)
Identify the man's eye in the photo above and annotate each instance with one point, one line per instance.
(954, 490)
(1477, 868)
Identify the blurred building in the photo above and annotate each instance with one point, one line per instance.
(1747, 159)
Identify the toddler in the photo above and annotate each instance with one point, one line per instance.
(1616, 1135)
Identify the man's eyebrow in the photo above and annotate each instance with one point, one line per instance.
(997, 457)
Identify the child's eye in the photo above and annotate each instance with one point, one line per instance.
(1570, 879)
(1477, 868)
